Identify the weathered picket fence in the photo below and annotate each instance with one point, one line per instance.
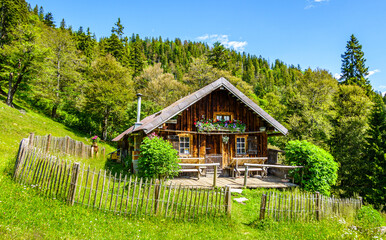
(124, 195)
(63, 146)
(305, 206)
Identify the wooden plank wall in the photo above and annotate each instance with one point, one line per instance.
(219, 101)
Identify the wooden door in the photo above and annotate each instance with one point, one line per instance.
(213, 149)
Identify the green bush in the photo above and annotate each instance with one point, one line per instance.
(157, 159)
(368, 219)
(320, 169)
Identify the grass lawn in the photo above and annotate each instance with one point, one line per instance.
(25, 214)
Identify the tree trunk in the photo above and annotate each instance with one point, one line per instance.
(10, 91)
(105, 123)
(53, 112)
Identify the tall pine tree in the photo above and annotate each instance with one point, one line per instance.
(373, 187)
(354, 70)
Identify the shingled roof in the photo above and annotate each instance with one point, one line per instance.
(155, 120)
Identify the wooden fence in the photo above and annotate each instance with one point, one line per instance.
(63, 146)
(305, 206)
(120, 194)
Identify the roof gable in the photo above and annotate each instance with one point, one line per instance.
(155, 120)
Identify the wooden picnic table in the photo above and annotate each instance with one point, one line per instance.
(265, 167)
(197, 167)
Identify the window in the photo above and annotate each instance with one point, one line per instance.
(184, 145)
(223, 117)
(240, 145)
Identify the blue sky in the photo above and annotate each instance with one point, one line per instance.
(312, 33)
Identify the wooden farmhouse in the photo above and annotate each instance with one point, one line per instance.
(216, 124)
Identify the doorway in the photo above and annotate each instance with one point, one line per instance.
(213, 150)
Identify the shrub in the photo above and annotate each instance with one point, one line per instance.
(368, 220)
(157, 159)
(320, 169)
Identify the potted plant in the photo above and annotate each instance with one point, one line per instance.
(95, 140)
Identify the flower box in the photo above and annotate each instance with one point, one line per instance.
(219, 125)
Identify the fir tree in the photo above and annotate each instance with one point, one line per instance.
(374, 180)
(354, 70)
(41, 13)
(118, 30)
(62, 24)
(49, 20)
(218, 56)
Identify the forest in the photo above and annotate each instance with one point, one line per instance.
(89, 84)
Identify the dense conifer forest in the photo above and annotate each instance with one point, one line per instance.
(89, 84)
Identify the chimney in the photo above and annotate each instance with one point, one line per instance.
(138, 123)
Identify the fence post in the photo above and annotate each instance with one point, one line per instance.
(360, 202)
(82, 150)
(31, 139)
(48, 142)
(215, 176)
(156, 196)
(228, 201)
(67, 144)
(317, 209)
(262, 206)
(245, 176)
(74, 180)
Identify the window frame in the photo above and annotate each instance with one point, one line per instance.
(230, 114)
(245, 137)
(189, 136)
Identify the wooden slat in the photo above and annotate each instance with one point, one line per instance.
(107, 191)
(123, 193)
(96, 188)
(148, 195)
(85, 185)
(112, 191)
(128, 195)
(139, 194)
(103, 188)
(117, 196)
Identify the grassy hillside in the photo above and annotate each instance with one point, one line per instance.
(16, 124)
(24, 214)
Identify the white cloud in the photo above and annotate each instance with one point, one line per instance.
(314, 3)
(372, 72)
(224, 40)
(382, 87)
(384, 93)
(337, 76)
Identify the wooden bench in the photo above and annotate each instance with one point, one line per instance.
(196, 167)
(263, 170)
(238, 169)
(266, 166)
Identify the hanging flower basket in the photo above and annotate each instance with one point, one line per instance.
(220, 125)
(225, 139)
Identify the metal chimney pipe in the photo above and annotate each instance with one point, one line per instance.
(138, 123)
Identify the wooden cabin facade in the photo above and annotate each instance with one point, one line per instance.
(217, 101)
